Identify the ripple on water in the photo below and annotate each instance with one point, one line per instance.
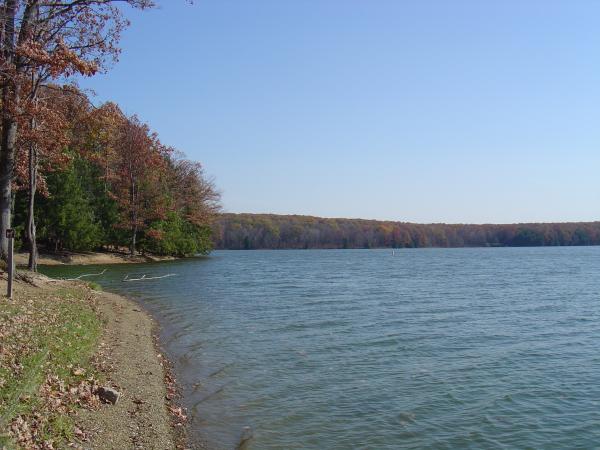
(429, 349)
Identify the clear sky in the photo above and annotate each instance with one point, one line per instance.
(422, 110)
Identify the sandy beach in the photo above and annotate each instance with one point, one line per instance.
(89, 258)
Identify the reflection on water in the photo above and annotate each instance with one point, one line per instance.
(430, 348)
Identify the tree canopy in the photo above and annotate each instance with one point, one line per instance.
(43, 42)
(111, 183)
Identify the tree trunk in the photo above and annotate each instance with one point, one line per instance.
(9, 124)
(134, 225)
(133, 238)
(11, 96)
(7, 163)
(31, 235)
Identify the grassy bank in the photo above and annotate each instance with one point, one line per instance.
(59, 342)
(48, 339)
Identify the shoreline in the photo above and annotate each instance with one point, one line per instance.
(144, 417)
(173, 397)
(127, 356)
(89, 258)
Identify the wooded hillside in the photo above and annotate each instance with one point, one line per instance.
(269, 231)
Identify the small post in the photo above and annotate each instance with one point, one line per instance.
(10, 234)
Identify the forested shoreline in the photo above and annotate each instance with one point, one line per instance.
(80, 176)
(106, 181)
(271, 231)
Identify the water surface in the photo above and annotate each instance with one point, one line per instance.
(363, 349)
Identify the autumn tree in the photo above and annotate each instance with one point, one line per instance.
(139, 179)
(195, 197)
(95, 137)
(41, 40)
(192, 203)
(41, 139)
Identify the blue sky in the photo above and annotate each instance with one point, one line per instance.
(424, 111)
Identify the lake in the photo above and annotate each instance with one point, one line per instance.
(370, 349)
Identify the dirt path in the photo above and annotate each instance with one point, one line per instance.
(140, 419)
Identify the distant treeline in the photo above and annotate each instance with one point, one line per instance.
(269, 231)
